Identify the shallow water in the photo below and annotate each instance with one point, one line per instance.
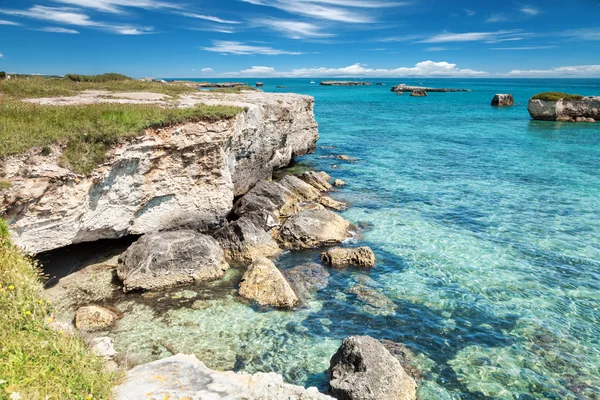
(486, 226)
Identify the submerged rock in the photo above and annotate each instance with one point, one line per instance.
(363, 369)
(343, 257)
(586, 109)
(307, 279)
(94, 318)
(244, 240)
(265, 284)
(503, 100)
(320, 180)
(169, 259)
(375, 303)
(184, 377)
(313, 227)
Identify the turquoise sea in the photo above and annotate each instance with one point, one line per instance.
(486, 227)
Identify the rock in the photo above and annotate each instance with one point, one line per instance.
(363, 369)
(375, 302)
(266, 285)
(405, 88)
(565, 110)
(200, 305)
(307, 279)
(418, 93)
(272, 197)
(503, 100)
(404, 356)
(331, 203)
(103, 347)
(345, 158)
(362, 257)
(344, 83)
(244, 240)
(313, 227)
(584, 119)
(94, 318)
(184, 377)
(303, 190)
(259, 84)
(319, 180)
(339, 183)
(167, 259)
(185, 175)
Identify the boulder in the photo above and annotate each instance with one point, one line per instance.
(303, 190)
(404, 356)
(565, 110)
(339, 182)
(312, 227)
(167, 259)
(184, 377)
(362, 257)
(375, 302)
(503, 100)
(363, 369)
(103, 347)
(307, 279)
(94, 318)
(331, 203)
(266, 285)
(319, 180)
(244, 240)
(344, 157)
(418, 93)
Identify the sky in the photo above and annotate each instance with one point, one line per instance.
(302, 38)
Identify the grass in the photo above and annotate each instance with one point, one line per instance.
(36, 361)
(88, 131)
(556, 96)
(235, 89)
(109, 77)
(4, 184)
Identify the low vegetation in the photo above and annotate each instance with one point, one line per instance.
(2, 75)
(4, 184)
(235, 89)
(88, 131)
(556, 96)
(109, 77)
(36, 360)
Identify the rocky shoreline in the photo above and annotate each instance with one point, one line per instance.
(345, 83)
(402, 88)
(581, 109)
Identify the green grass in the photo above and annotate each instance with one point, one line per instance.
(4, 184)
(88, 131)
(236, 89)
(109, 77)
(36, 361)
(556, 96)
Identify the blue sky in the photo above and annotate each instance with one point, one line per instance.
(302, 38)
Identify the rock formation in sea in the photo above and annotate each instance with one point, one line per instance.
(503, 100)
(362, 257)
(562, 107)
(418, 93)
(180, 176)
(265, 284)
(345, 83)
(405, 88)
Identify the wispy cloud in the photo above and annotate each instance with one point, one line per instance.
(399, 39)
(582, 34)
(58, 30)
(239, 48)
(206, 17)
(1, 55)
(524, 48)
(530, 10)
(449, 37)
(293, 29)
(438, 49)
(469, 12)
(4, 22)
(499, 17)
(206, 70)
(580, 71)
(117, 6)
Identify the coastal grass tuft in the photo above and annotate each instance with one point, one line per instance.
(108, 77)
(235, 89)
(556, 96)
(37, 361)
(4, 184)
(88, 131)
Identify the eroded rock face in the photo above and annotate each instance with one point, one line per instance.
(183, 176)
(503, 100)
(265, 284)
(94, 318)
(169, 259)
(332, 203)
(363, 369)
(362, 257)
(312, 227)
(184, 377)
(565, 110)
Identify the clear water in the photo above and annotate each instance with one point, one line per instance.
(486, 226)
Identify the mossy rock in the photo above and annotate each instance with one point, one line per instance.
(556, 96)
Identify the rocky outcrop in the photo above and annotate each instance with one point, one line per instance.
(94, 318)
(219, 84)
(184, 377)
(169, 259)
(363, 369)
(362, 257)
(246, 239)
(319, 180)
(313, 226)
(266, 285)
(585, 109)
(332, 203)
(418, 93)
(405, 88)
(503, 100)
(307, 279)
(345, 83)
(179, 176)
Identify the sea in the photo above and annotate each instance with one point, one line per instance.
(486, 228)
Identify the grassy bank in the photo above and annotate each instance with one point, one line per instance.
(36, 361)
(556, 96)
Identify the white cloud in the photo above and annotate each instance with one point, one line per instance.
(499, 17)
(1, 55)
(4, 22)
(524, 48)
(115, 6)
(438, 48)
(529, 10)
(58, 30)
(293, 29)
(582, 34)
(422, 69)
(206, 17)
(404, 38)
(470, 13)
(239, 48)
(449, 37)
(206, 70)
(580, 71)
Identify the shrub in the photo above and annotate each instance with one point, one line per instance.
(4, 234)
(2, 75)
(108, 77)
(556, 96)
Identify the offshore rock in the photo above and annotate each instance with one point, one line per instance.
(184, 377)
(339, 183)
(418, 93)
(246, 239)
(164, 179)
(307, 279)
(314, 226)
(345, 83)
(169, 259)
(503, 100)
(362, 257)
(266, 285)
(320, 180)
(94, 318)
(405, 88)
(566, 110)
(363, 369)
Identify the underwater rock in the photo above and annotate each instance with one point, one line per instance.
(167, 259)
(185, 377)
(375, 302)
(503, 100)
(265, 284)
(319, 180)
(94, 318)
(339, 183)
(312, 227)
(307, 279)
(333, 204)
(243, 240)
(363, 369)
(362, 257)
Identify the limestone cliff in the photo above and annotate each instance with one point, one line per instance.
(586, 109)
(181, 176)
